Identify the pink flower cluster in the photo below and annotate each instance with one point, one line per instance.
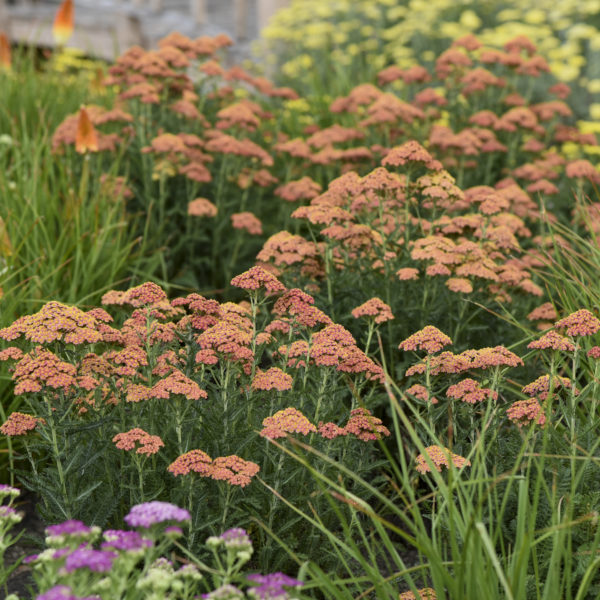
(233, 469)
(148, 444)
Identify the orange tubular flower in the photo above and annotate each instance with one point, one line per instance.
(5, 59)
(86, 138)
(63, 23)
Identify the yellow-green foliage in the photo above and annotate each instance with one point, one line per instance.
(314, 37)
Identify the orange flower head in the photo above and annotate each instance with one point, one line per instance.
(288, 420)
(440, 456)
(86, 138)
(580, 323)
(424, 594)
(5, 60)
(430, 339)
(63, 23)
(375, 307)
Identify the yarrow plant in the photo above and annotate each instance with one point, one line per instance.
(84, 563)
(98, 389)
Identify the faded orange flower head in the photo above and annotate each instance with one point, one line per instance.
(63, 23)
(5, 60)
(86, 138)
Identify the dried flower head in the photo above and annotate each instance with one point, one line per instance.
(440, 457)
(430, 339)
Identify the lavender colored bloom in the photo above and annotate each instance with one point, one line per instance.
(117, 539)
(95, 560)
(9, 514)
(271, 586)
(150, 513)
(7, 490)
(62, 592)
(274, 579)
(173, 532)
(71, 527)
(234, 534)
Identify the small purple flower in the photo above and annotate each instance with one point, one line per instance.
(62, 592)
(68, 528)
(10, 515)
(236, 533)
(236, 539)
(150, 513)
(271, 585)
(173, 532)
(95, 560)
(7, 490)
(117, 539)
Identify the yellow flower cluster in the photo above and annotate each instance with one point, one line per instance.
(373, 33)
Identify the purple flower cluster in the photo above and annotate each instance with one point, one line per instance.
(68, 528)
(10, 515)
(151, 513)
(127, 541)
(62, 592)
(236, 537)
(7, 490)
(95, 560)
(271, 586)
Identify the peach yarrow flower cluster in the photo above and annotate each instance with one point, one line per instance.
(272, 379)
(525, 412)
(19, 424)
(361, 423)
(148, 444)
(374, 308)
(440, 457)
(580, 323)
(233, 469)
(430, 339)
(288, 420)
(55, 321)
(256, 278)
